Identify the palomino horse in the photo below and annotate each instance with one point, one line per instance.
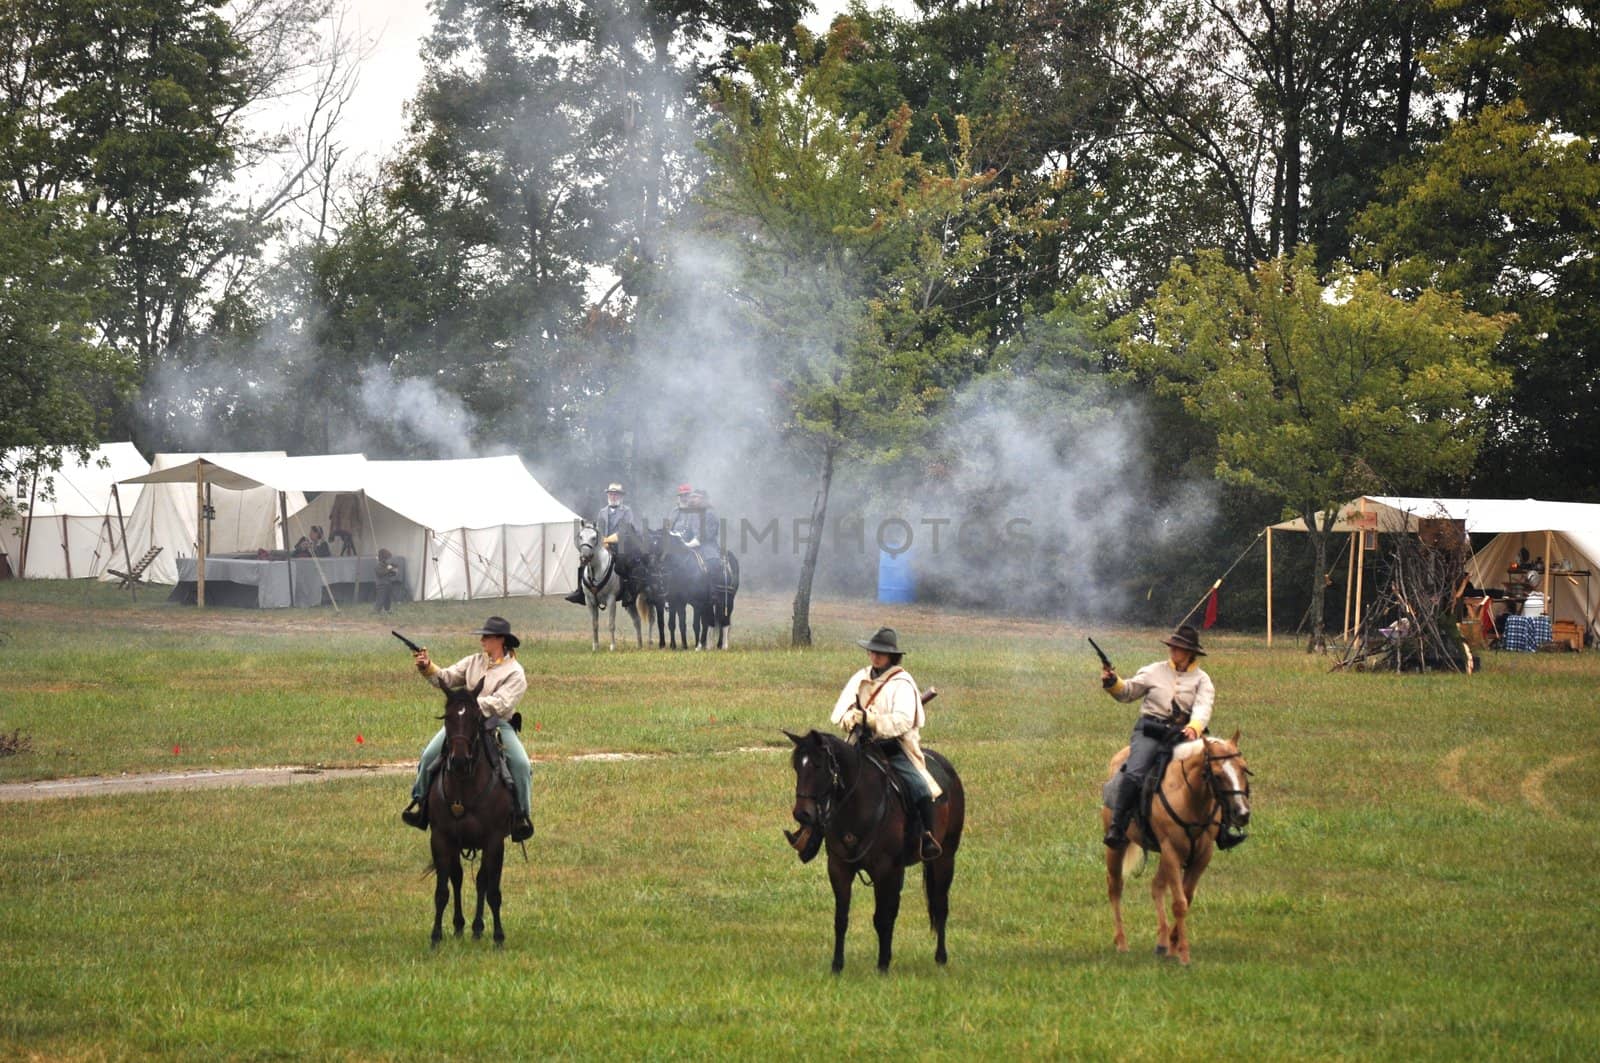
(468, 809)
(1205, 785)
(602, 584)
(842, 797)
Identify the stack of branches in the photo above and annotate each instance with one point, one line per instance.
(1410, 624)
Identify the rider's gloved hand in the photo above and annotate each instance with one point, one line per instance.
(692, 543)
(853, 719)
(1108, 678)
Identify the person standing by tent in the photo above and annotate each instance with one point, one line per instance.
(504, 683)
(883, 701)
(1175, 697)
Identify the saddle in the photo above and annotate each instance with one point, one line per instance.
(885, 753)
(492, 750)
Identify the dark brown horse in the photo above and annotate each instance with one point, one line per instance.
(843, 797)
(1205, 785)
(468, 810)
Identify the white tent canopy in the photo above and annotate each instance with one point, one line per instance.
(468, 528)
(1555, 531)
(246, 516)
(73, 532)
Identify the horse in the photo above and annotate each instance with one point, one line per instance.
(843, 798)
(602, 584)
(636, 564)
(708, 587)
(468, 809)
(1205, 785)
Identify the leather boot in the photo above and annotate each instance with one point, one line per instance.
(931, 850)
(416, 814)
(576, 597)
(522, 829)
(1122, 812)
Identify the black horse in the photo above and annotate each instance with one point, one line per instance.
(694, 582)
(468, 809)
(643, 592)
(843, 797)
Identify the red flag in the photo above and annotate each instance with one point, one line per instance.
(1211, 609)
(360, 740)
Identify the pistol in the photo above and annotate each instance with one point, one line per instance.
(412, 646)
(1103, 658)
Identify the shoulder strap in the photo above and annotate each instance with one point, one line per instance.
(883, 681)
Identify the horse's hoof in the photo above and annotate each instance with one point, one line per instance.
(434, 943)
(1161, 950)
(940, 958)
(836, 967)
(499, 943)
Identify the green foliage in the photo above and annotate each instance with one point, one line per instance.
(54, 370)
(1318, 390)
(1506, 213)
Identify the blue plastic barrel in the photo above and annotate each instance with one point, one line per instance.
(896, 584)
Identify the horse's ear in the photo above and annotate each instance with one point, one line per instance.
(1235, 739)
(796, 739)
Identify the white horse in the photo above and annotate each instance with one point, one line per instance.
(601, 583)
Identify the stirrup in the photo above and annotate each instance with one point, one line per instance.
(931, 850)
(1116, 839)
(522, 829)
(415, 815)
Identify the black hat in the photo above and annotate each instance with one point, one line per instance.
(499, 625)
(885, 641)
(1185, 638)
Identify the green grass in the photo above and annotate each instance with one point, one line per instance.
(1419, 881)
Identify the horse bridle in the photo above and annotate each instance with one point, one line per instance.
(826, 806)
(474, 735)
(1215, 780)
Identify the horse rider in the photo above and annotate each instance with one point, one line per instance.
(504, 683)
(883, 702)
(696, 523)
(614, 514)
(1175, 698)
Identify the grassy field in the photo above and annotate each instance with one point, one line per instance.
(1420, 880)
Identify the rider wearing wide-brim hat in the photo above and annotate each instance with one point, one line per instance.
(1175, 697)
(614, 514)
(504, 683)
(884, 700)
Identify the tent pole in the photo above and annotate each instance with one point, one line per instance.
(505, 570)
(66, 551)
(466, 561)
(116, 497)
(1361, 562)
(288, 553)
(1350, 580)
(27, 526)
(543, 550)
(1544, 577)
(1269, 585)
(200, 533)
(422, 576)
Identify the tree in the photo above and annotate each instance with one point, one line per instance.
(51, 279)
(847, 247)
(1320, 389)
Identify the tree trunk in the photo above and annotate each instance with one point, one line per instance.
(800, 632)
(1318, 639)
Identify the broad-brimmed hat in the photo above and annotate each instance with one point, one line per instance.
(499, 625)
(613, 487)
(1185, 638)
(885, 641)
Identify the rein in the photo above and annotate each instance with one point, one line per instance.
(828, 808)
(1219, 814)
(458, 808)
(595, 584)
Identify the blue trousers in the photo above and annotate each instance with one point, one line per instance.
(516, 760)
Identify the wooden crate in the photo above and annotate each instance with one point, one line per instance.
(1567, 631)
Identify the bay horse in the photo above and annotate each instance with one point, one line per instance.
(469, 809)
(707, 586)
(1204, 785)
(843, 799)
(602, 585)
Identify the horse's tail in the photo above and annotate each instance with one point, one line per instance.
(1133, 861)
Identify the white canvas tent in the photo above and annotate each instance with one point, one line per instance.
(469, 528)
(72, 532)
(167, 514)
(1552, 530)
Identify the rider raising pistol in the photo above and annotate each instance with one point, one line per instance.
(1176, 705)
(504, 683)
(883, 699)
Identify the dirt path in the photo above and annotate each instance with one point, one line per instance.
(105, 785)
